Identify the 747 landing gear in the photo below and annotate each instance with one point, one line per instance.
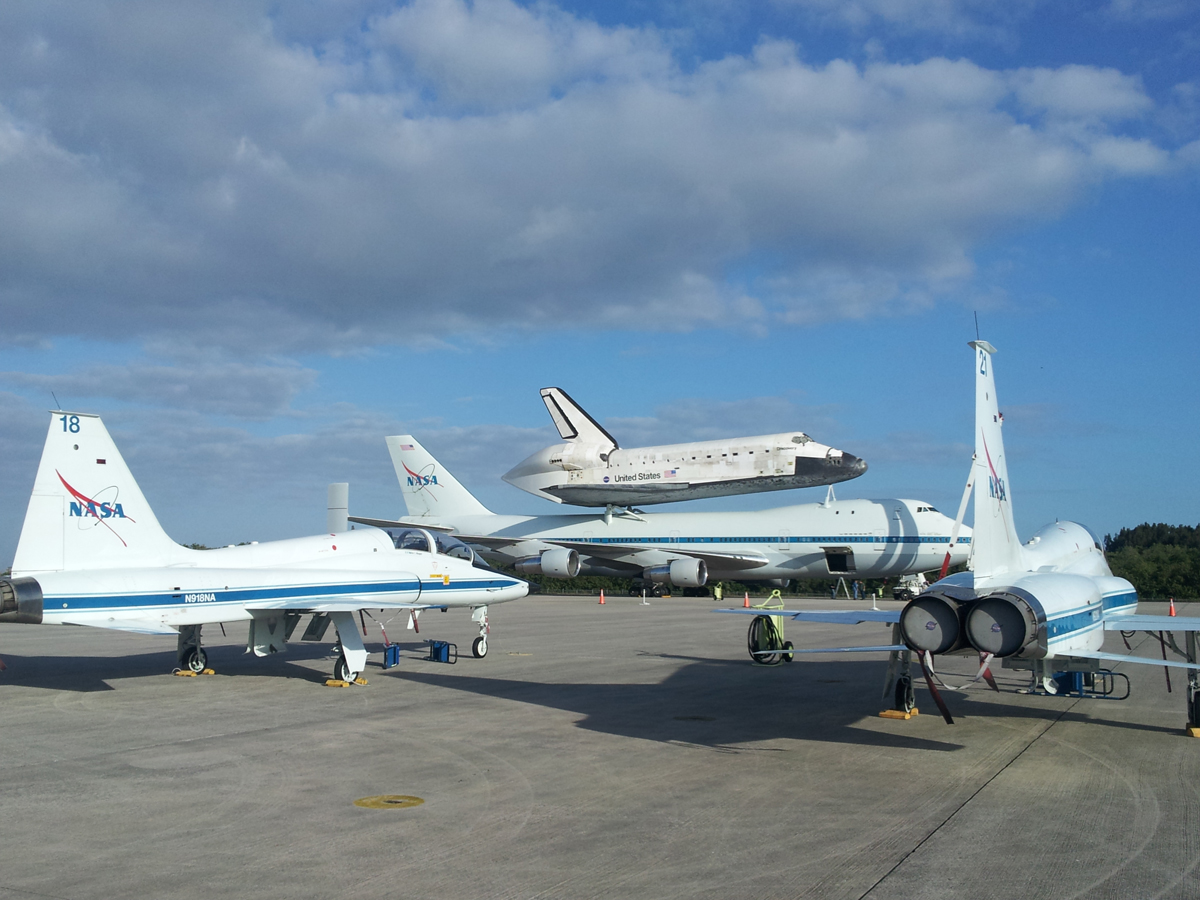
(479, 646)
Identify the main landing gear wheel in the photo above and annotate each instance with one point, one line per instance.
(343, 672)
(905, 700)
(195, 660)
(479, 647)
(788, 656)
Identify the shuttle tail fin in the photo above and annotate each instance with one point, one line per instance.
(572, 422)
(87, 511)
(428, 488)
(995, 546)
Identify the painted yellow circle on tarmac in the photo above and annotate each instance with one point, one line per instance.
(389, 801)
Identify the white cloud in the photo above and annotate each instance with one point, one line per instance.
(215, 388)
(1082, 93)
(1149, 10)
(497, 53)
(695, 419)
(956, 18)
(190, 175)
(1130, 157)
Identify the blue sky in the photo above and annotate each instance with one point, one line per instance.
(259, 238)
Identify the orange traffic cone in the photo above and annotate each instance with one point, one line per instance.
(746, 601)
(601, 596)
(1172, 611)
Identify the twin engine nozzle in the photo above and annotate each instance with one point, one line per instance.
(1002, 624)
(20, 601)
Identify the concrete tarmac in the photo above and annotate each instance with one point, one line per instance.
(598, 751)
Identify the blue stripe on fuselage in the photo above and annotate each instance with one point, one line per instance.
(1083, 619)
(240, 596)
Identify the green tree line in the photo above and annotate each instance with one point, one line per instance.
(1159, 560)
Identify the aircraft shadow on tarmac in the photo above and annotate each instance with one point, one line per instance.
(88, 674)
(724, 705)
(712, 703)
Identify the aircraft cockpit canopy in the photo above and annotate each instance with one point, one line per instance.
(433, 542)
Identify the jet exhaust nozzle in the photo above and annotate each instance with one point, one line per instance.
(20, 601)
(679, 572)
(933, 622)
(558, 563)
(1002, 624)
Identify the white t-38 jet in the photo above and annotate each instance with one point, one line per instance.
(852, 538)
(1045, 605)
(92, 553)
(590, 469)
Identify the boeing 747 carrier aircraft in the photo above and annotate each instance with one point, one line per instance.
(92, 553)
(860, 538)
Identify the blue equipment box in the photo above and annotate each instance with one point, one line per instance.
(443, 651)
(391, 656)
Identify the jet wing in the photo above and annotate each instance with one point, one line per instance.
(493, 542)
(1121, 657)
(620, 551)
(398, 523)
(1152, 623)
(829, 616)
(136, 626)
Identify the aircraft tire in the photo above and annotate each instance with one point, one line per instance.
(195, 660)
(479, 647)
(341, 671)
(787, 655)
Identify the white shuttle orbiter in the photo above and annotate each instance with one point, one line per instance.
(590, 469)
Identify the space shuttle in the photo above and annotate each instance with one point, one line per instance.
(589, 468)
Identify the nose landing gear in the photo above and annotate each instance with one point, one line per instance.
(353, 658)
(343, 672)
(479, 647)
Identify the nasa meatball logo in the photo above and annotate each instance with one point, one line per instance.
(423, 481)
(606, 479)
(101, 508)
(930, 625)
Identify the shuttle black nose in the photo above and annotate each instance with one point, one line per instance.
(854, 464)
